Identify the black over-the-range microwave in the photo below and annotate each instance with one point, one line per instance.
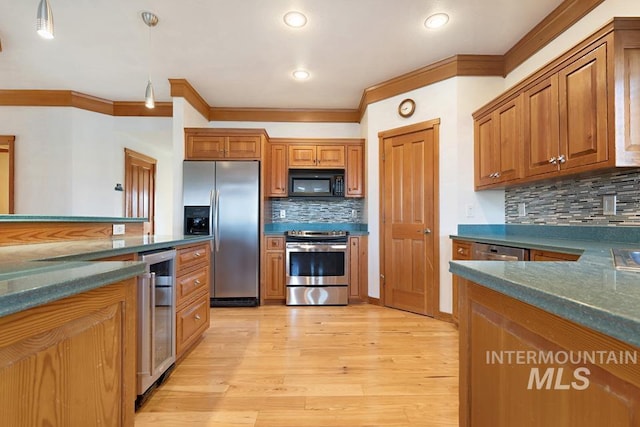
(316, 183)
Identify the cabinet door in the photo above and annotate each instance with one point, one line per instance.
(538, 255)
(541, 129)
(355, 171)
(485, 150)
(277, 175)
(354, 271)
(275, 275)
(330, 156)
(302, 156)
(191, 322)
(243, 147)
(508, 139)
(205, 147)
(583, 110)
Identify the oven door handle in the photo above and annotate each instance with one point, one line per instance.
(314, 247)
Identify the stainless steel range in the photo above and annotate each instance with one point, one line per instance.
(317, 268)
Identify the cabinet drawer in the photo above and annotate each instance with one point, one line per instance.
(192, 256)
(191, 322)
(191, 283)
(275, 243)
(461, 250)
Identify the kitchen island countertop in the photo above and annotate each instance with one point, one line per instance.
(590, 291)
(39, 273)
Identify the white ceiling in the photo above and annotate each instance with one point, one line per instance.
(239, 53)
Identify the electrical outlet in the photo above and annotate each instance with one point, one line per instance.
(354, 213)
(118, 229)
(609, 204)
(522, 209)
(468, 209)
(283, 213)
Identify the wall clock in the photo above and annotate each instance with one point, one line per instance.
(407, 107)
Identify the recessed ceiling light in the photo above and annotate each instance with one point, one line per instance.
(295, 19)
(301, 74)
(436, 21)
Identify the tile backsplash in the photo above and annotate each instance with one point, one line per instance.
(304, 210)
(577, 201)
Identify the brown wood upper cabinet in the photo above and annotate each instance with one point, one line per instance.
(566, 118)
(355, 171)
(316, 156)
(277, 171)
(497, 141)
(217, 144)
(577, 114)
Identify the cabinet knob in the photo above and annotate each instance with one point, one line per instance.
(562, 158)
(197, 255)
(460, 250)
(197, 317)
(197, 282)
(553, 160)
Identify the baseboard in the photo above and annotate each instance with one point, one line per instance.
(445, 317)
(374, 301)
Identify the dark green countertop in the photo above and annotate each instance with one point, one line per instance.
(36, 274)
(590, 291)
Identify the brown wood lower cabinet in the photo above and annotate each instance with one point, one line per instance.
(274, 270)
(192, 295)
(358, 286)
(500, 388)
(461, 251)
(71, 362)
(538, 255)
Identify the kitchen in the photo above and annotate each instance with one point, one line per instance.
(63, 193)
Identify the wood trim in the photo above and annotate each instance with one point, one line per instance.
(316, 141)
(374, 301)
(91, 103)
(554, 24)
(458, 65)
(182, 88)
(138, 109)
(9, 141)
(70, 98)
(284, 115)
(19, 233)
(445, 317)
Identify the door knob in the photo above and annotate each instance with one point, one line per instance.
(427, 231)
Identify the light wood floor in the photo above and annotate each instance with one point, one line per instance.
(354, 366)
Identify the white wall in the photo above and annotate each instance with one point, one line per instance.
(184, 115)
(298, 130)
(68, 161)
(452, 101)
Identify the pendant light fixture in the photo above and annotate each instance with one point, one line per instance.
(151, 20)
(44, 20)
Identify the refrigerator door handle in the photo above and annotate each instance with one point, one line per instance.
(217, 224)
(211, 207)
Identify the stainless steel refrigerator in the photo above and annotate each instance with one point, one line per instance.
(222, 199)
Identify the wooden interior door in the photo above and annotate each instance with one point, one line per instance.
(140, 187)
(409, 194)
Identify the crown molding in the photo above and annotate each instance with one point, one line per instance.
(182, 88)
(283, 115)
(458, 65)
(70, 98)
(138, 109)
(558, 21)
